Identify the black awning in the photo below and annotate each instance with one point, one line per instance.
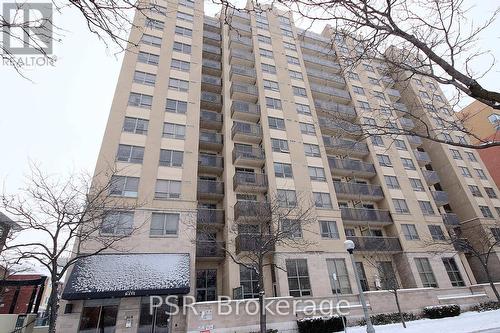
(128, 275)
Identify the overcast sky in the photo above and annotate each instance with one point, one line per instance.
(58, 120)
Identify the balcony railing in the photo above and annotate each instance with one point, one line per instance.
(211, 79)
(210, 188)
(393, 93)
(212, 49)
(238, 39)
(330, 91)
(208, 216)
(387, 80)
(210, 139)
(340, 126)
(326, 76)
(451, 219)
(325, 49)
(422, 157)
(350, 166)
(251, 210)
(246, 130)
(440, 197)
(211, 22)
(406, 123)
(250, 180)
(244, 89)
(240, 27)
(322, 62)
(212, 64)
(245, 111)
(462, 245)
(243, 71)
(251, 155)
(355, 190)
(431, 177)
(414, 141)
(364, 215)
(341, 110)
(339, 145)
(313, 35)
(212, 35)
(209, 163)
(373, 243)
(210, 119)
(401, 107)
(253, 242)
(241, 54)
(210, 249)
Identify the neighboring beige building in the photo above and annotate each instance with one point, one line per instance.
(212, 120)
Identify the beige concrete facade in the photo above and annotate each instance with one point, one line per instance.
(230, 139)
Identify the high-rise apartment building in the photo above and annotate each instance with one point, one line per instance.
(210, 121)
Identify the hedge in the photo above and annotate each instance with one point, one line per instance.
(486, 306)
(389, 318)
(441, 311)
(321, 324)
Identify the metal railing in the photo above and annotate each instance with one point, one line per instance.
(406, 123)
(335, 108)
(414, 140)
(365, 215)
(210, 161)
(330, 91)
(313, 35)
(393, 92)
(315, 60)
(242, 70)
(341, 126)
(210, 187)
(207, 96)
(244, 88)
(249, 179)
(212, 35)
(211, 22)
(246, 129)
(351, 165)
(253, 242)
(210, 116)
(248, 154)
(440, 197)
(451, 219)
(344, 144)
(211, 79)
(422, 156)
(358, 189)
(211, 64)
(400, 107)
(251, 209)
(319, 48)
(373, 243)
(431, 177)
(235, 38)
(250, 108)
(210, 216)
(326, 76)
(212, 49)
(211, 137)
(210, 249)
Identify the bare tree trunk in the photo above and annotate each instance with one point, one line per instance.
(492, 284)
(396, 296)
(262, 309)
(53, 307)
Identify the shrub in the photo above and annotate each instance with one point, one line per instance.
(389, 318)
(269, 330)
(486, 306)
(321, 324)
(441, 311)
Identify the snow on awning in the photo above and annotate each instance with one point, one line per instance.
(128, 275)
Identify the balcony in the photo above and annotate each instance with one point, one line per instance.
(414, 141)
(251, 210)
(406, 123)
(355, 191)
(336, 110)
(376, 244)
(246, 132)
(451, 219)
(400, 107)
(242, 74)
(244, 92)
(211, 67)
(210, 217)
(212, 36)
(422, 158)
(236, 41)
(462, 245)
(211, 22)
(239, 14)
(210, 164)
(211, 51)
(210, 189)
(249, 157)
(339, 127)
(312, 35)
(350, 167)
(440, 197)
(211, 83)
(241, 57)
(250, 182)
(431, 177)
(210, 250)
(210, 120)
(331, 93)
(345, 147)
(387, 81)
(211, 141)
(245, 111)
(326, 50)
(322, 64)
(393, 94)
(374, 217)
(253, 242)
(334, 80)
(241, 28)
(210, 100)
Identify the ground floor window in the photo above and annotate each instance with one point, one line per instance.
(298, 277)
(249, 280)
(362, 276)
(453, 272)
(99, 316)
(339, 279)
(206, 285)
(387, 276)
(425, 272)
(155, 321)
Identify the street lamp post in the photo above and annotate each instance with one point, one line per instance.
(349, 246)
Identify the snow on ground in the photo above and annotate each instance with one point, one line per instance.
(467, 322)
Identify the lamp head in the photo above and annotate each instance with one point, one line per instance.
(349, 246)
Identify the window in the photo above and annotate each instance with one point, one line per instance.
(384, 160)
(187, 3)
(264, 39)
(178, 84)
(455, 154)
(271, 85)
(379, 95)
(303, 109)
(369, 121)
(490, 192)
(174, 131)
(410, 232)
(408, 163)
(99, 315)
(494, 119)
(180, 65)
(283, 170)
(471, 156)
(291, 228)
(436, 232)
(353, 76)
(496, 233)
(151, 40)
(373, 81)
(124, 186)
(206, 285)
(438, 98)
(447, 137)
(307, 129)
(262, 25)
(480, 173)
(249, 280)
(184, 16)
(286, 32)
(182, 31)
(453, 272)
(175, 106)
(276, 123)
(418, 82)
(171, 158)
(385, 111)
(322, 200)
(183, 48)
(377, 140)
(286, 198)
(369, 68)
(392, 182)
(289, 46)
(274, 103)
(140, 100)
(117, 223)
(144, 78)
(426, 207)
(475, 191)
(265, 53)
(167, 189)
(292, 60)
(298, 277)
(280, 146)
(416, 184)
(329, 229)
(131, 154)
(317, 174)
(311, 150)
(163, 224)
(295, 75)
(160, 10)
(266, 68)
(465, 172)
(135, 125)
(154, 24)
(148, 58)
(485, 210)
(425, 272)
(400, 144)
(424, 94)
(298, 91)
(339, 278)
(358, 90)
(400, 206)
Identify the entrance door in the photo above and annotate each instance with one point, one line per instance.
(156, 320)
